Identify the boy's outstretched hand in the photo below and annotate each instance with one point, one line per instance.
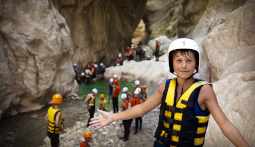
(101, 121)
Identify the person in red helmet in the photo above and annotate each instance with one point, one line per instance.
(115, 96)
(129, 54)
(55, 120)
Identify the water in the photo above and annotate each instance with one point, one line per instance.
(29, 131)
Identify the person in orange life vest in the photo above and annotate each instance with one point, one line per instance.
(137, 83)
(144, 93)
(129, 54)
(186, 103)
(88, 74)
(136, 101)
(127, 123)
(157, 49)
(125, 90)
(110, 87)
(90, 101)
(120, 59)
(102, 105)
(115, 95)
(94, 71)
(55, 119)
(90, 63)
(88, 138)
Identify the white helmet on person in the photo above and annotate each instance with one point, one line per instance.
(82, 74)
(138, 89)
(183, 44)
(94, 90)
(136, 92)
(101, 64)
(123, 96)
(74, 64)
(119, 55)
(156, 39)
(125, 89)
(95, 65)
(137, 82)
(111, 80)
(115, 76)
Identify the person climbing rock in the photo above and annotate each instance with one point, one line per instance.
(55, 120)
(102, 105)
(127, 123)
(157, 49)
(88, 138)
(129, 54)
(185, 103)
(102, 71)
(90, 101)
(110, 87)
(88, 73)
(115, 92)
(136, 101)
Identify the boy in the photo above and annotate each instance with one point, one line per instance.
(102, 105)
(88, 138)
(136, 101)
(90, 101)
(55, 118)
(127, 123)
(110, 87)
(137, 83)
(115, 92)
(186, 103)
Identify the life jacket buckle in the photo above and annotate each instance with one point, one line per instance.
(171, 109)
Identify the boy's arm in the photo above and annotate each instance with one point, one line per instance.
(58, 121)
(228, 129)
(135, 111)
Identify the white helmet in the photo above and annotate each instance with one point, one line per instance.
(138, 89)
(82, 74)
(123, 96)
(181, 44)
(95, 65)
(125, 89)
(156, 39)
(111, 80)
(115, 76)
(119, 55)
(74, 64)
(136, 92)
(101, 64)
(132, 46)
(137, 82)
(94, 90)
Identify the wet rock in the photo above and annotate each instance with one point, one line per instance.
(34, 116)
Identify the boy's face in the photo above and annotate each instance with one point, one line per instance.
(184, 65)
(136, 95)
(124, 100)
(88, 139)
(101, 99)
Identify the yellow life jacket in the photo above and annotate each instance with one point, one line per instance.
(92, 100)
(101, 107)
(178, 125)
(52, 127)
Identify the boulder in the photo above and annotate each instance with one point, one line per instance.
(35, 56)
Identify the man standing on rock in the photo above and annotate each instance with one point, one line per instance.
(115, 92)
(157, 49)
(90, 101)
(55, 118)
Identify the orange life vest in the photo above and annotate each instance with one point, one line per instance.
(157, 46)
(132, 54)
(121, 59)
(83, 144)
(116, 94)
(94, 70)
(135, 101)
(123, 105)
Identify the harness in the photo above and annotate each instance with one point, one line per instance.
(178, 125)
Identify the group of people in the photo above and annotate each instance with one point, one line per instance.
(185, 105)
(89, 73)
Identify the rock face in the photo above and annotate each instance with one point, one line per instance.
(101, 29)
(35, 56)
